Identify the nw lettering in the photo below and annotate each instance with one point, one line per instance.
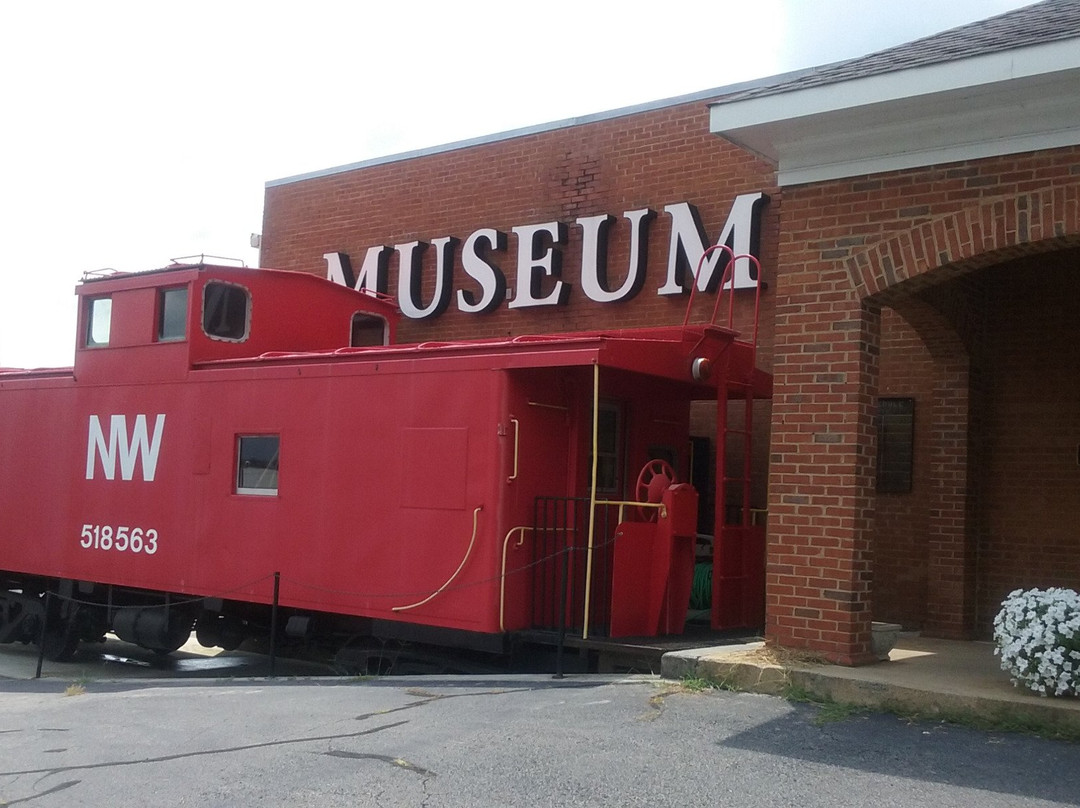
(123, 447)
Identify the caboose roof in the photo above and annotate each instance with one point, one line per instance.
(107, 281)
(660, 352)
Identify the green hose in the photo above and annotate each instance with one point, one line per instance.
(701, 591)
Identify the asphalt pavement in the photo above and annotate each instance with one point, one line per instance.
(497, 741)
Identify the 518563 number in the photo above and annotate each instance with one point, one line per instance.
(122, 538)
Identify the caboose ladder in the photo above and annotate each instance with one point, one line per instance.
(738, 580)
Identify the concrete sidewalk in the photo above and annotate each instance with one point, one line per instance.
(953, 680)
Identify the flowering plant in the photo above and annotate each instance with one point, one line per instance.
(1037, 633)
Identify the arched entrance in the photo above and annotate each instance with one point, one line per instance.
(998, 479)
(962, 287)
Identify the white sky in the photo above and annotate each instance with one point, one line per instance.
(137, 132)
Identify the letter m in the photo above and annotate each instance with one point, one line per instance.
(120, 447)
(372, 274)
(688, 245)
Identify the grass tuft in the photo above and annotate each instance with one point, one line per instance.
(697, 684)
(828, 710)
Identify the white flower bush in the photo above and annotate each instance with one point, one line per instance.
(1037, 634)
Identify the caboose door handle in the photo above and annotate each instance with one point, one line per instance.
(517, 435)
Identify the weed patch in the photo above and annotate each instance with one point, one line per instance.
(696, 684)
(828, 710)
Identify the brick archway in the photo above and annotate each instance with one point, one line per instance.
(969, 239)
(888, 273)
(821, 501)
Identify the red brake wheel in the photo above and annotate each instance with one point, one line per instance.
(656, 477)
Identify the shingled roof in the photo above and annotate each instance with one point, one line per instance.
(1036, 24)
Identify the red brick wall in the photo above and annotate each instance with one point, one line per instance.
(901, 519)
(847, 248)
(648, 159)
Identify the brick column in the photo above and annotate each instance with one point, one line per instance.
(950, 545)
(950, 527)
(821, 468)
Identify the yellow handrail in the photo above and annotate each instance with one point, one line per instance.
(450, 580)
(502, 574)
(623, 503)
(502, 577)
(517, 435)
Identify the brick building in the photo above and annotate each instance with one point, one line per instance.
(917, 217)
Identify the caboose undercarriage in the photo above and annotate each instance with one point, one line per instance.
(347, 644)
(60, 614)
(612, 602)
(625, 600)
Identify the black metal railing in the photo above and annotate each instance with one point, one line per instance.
(560, 565)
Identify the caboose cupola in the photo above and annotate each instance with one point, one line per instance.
(160, 324)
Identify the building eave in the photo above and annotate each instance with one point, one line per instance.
(992, 104)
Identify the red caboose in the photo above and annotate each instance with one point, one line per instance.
(236, 445)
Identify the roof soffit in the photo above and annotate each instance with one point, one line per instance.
(994, 103)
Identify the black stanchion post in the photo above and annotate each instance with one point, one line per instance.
(273, 623)
(562, 604)
(41, 638)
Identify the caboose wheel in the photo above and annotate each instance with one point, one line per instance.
(161, 628)
(214, 630)
(656, 477)
(174, 634)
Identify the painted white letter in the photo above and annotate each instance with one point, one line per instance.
(146, 447)
(95, 445)
(118, 446)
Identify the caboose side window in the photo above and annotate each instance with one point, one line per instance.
(609, 446)
(257, 464)
(172, 314)
(98, 321)
(226, 311)
(367, 330)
